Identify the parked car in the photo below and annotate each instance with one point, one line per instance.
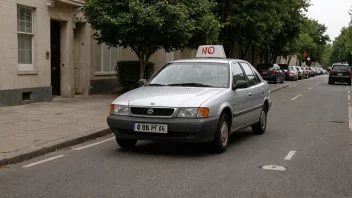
(306, 71)
(271, 73)
(312, 72)
(340, 73)
(300, 72)
(292, 73)
(196, 105)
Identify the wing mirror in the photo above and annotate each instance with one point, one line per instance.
(141, 82)
(240, 84)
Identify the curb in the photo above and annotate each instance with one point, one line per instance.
(285, 86)
(30, 153)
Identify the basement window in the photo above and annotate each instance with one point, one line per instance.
(26, 96)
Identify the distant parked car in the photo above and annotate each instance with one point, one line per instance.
(300, 72)
(312, 72)
(306, 71)
(292, 73)
(271, 72)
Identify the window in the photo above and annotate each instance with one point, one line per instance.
(252, 80)
(25, 35)
(237, 72)
(106, 58)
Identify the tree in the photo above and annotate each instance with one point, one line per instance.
(325, 59)
(150, 25)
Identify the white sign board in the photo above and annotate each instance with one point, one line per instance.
(211, 51)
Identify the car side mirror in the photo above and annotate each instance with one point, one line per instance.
(141, 82)
(240, 84)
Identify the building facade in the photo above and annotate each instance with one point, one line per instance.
(47, 50)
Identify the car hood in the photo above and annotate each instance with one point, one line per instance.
(167, 96)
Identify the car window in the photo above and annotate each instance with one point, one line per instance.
(264, 66)
(237, 72)
(283, 66)
(341, 68)
(252, 79)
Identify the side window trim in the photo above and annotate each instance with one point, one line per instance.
(258, 82)
(239, 64)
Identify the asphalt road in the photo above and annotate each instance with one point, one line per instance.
(308, 134)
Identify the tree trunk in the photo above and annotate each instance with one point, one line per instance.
(289, 60)
(253, 54)
(244, 53)
(142, 65)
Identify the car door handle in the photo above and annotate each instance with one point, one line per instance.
(250, 94)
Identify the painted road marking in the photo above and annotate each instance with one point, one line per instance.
(349, 97)
(310, 87)
(290, 155)
(350, 117)
(273, 167)
(94, 144)
(42, 161)
(296, 97)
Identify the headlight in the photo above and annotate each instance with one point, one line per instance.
(193, 113)
(119, 110)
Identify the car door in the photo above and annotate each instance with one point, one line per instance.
(256, 92)
(239, 97)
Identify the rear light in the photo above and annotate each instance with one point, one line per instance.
(273, 72)
(291, 73)
(350, 72)
(331, 72)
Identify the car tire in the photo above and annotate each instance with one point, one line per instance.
(283, 80)
(125, 143)
(260, 127)
(276, 80)
(349, 83)
(222, 136)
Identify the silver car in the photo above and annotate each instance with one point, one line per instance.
(195, 100)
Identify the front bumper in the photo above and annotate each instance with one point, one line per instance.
(179, 129)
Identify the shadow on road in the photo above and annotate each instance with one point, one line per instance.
(184, 149)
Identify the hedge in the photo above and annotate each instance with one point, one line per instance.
(127, 73)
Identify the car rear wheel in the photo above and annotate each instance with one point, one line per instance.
(283, 80)
(124, 143)
(222, 135)
(260, 127)
(276, 80)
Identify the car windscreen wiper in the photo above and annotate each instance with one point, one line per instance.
(156, 85)
(190, 85)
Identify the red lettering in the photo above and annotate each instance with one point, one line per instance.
(204, 50)
(207, 50)
(211, 50)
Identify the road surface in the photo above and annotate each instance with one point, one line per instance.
(308, 143)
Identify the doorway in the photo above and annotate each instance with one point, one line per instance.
(55, 29)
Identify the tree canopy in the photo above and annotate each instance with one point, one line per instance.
(150, 25)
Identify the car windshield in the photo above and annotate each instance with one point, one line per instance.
(264, 66)
(341, 68)
(192, 74)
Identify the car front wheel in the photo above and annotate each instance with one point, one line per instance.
(124, 143)
(222, 135)
(260, 127)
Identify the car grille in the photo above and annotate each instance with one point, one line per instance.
(143, 111)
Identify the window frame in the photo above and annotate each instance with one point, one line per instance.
(255, 77)
(231, 73)
(23, 66)
(102, 72)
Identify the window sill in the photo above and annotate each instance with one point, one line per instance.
(105, 73)
(27, 72)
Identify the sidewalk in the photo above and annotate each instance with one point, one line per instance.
(28, 131)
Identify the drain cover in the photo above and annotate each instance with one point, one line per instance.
(339, 122)
(273, 167)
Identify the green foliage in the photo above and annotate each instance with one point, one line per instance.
(128, 73)
(325, 59)
(342, 46)
(150, 25)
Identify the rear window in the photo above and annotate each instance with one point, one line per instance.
(283, 66)
(264, 66)
(292, 68)
(341, 68)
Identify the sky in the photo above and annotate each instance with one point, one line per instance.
(332, 13)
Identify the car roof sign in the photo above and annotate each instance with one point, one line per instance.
(211, 51)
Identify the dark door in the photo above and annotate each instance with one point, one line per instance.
(55, 56)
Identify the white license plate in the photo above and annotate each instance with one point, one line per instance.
(339, 74)
(150, 128)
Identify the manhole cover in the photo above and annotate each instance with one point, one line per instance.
(273, 167)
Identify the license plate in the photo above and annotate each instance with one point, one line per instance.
(263, 72)
(339, 74)
(150, 128)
